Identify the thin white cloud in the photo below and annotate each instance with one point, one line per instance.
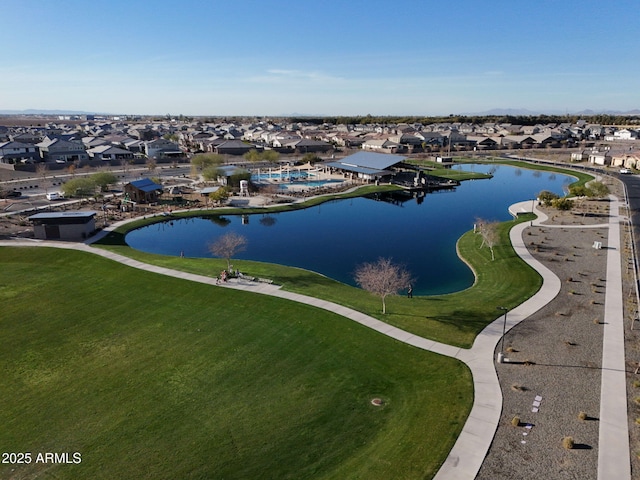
(282, 76)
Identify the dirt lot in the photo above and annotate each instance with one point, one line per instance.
(109, 211)
(555, 356)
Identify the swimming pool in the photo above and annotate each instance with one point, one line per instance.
(284, 176)
(309, 184)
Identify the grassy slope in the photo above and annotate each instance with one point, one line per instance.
(454, 318)
(153, 377)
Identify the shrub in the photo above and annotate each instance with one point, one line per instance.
(547, 198)
(79, 187)
(515, 421)
(563, 204)
(567, 442)
(582, 416)
(103, 180)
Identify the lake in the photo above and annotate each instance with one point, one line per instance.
(335, 237)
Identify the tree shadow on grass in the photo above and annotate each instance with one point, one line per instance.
(463, 319)
(581, 446)
(302, 279)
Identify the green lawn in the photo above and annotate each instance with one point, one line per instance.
(439, 170)
(454, 318)
(154, 377)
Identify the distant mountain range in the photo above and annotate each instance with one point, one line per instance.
(525, 112)
(35, 111)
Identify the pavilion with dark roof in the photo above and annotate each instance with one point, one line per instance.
(367, 165)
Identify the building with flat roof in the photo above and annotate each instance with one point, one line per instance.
(70, 226)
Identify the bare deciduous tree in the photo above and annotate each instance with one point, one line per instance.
(227, 246)
(382, 278)
(489, 232)
(42, 169)
(152, 165)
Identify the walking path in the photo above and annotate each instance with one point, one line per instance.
(469, 451)
(614, 457)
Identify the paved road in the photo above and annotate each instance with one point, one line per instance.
(632, 186)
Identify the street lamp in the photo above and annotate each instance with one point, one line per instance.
(504, 328)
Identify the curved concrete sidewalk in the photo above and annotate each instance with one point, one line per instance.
(469, 451)
(614, 456)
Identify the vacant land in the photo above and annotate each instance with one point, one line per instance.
(153, 377)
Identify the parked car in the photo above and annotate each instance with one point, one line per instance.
(625, 171)
(54, 196)
(11, 194)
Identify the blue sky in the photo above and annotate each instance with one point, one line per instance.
(406, 57)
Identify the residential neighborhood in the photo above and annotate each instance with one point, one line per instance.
(319, 240)
(113, 140)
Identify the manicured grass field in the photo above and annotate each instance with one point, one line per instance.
(454, 318)
(153, 377)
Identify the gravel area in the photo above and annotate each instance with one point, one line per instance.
(553, 373)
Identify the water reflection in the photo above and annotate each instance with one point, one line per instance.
(413, 228)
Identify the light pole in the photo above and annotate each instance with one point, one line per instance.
(504, 328)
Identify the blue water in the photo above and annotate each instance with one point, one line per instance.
(286, 176)
(335, 237)
(293, 178)
(310, 184)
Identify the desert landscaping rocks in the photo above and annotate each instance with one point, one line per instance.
(551, 380)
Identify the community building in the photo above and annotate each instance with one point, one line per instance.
(71, 226)
(367, 166)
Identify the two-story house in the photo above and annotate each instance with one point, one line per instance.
(162, 148)
(62, 151)
(17, 152)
